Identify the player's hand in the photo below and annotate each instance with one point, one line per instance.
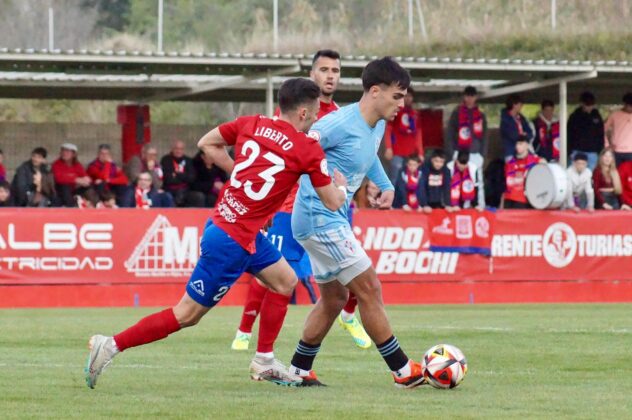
(406, 207)
(388, 154)
(607, 206)
(339, 179)
(385, 200)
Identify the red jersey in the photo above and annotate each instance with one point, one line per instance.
(270, 156)
(516, 176)
(625, 173)
(325, 108)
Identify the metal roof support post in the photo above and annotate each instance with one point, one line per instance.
(269, 95)
(563, 119)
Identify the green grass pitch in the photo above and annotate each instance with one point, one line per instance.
(525, 361)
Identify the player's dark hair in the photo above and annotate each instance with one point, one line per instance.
(385, 71)
(437, 153)
(295, 92)
(325, 53)
(40, 151)
(463, 157)
(547, 103)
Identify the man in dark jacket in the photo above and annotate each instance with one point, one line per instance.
(435, 184)
(144, 195)
(586, 130)
(33, 184)
(209, 178)
(407, 191)
(513, 126)
(179, 174)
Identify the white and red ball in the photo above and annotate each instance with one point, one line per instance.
(444, 366)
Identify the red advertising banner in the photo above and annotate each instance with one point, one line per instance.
(129, 246)
(99, 246)
(467, 231)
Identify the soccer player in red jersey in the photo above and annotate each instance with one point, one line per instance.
(326, 73)
(270, 156)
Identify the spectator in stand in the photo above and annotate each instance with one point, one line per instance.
(33, 184)
(5, 195)
(547, 133)
(146, 162)
(3, 171)
(407, 191)
(467, 129)
(402, 136)
(625, 173)
(179, 174)
(580, 195)
(618, 130)
(586, 129)
(70, 176)
(105, 175)
(435, 184)
(466, 183)
(89, 199)
(513, 126)
(209, 178)
(145, 196)
(516, 169)
(107, 200)
(606, 182)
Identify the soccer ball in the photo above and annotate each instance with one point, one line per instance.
(444, 366)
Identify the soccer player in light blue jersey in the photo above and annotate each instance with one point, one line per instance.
(351, 138)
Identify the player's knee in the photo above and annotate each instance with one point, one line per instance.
(286, 286)
(369, 290)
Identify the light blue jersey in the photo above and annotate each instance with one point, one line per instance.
(351, 146)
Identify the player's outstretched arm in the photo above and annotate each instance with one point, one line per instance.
(213, 146)
(334, 195)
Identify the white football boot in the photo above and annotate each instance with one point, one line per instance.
(102, 351)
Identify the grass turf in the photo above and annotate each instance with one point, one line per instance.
(535, 361)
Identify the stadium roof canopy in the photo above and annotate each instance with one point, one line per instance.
(149, 76)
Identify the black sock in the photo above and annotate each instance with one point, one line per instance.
(305, 354)
(393, 354)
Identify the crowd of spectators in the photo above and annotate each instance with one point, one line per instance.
(462, 175)
(599, 174)
(176, 180)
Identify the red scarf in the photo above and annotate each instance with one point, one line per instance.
(462, 187)
(142, 198)
(549, 136)
(470, 126)
(406, 120)
(412, 182)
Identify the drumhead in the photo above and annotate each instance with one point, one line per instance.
(546, 186)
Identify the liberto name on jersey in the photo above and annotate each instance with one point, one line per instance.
(270, 156)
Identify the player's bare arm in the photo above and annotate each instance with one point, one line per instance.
(213, 145)
(334, 195)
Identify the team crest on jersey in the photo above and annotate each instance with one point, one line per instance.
(323, 167)
(314, 134)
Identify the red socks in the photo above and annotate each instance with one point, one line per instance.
(273, 313)
(350, 307)
(151, 328)
(256, 294)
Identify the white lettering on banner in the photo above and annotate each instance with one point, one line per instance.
(390, 238)
(180, 250)
(409, 262)
(163, 253)
(401, 251)
(63, 236)
(559, 245)
(56, 264)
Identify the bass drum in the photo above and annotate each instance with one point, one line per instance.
(546, 186)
